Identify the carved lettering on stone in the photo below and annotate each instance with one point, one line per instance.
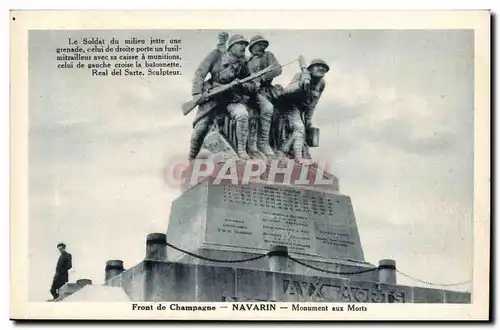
(326, 292)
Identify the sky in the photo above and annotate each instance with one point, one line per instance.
(396, 122)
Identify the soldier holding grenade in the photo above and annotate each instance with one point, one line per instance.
(261, 59)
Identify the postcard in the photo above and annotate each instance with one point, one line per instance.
(242, 165)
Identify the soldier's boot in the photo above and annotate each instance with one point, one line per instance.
(286, 146)
(200, 130)
(253, 151)
(298, 144)
(306, 152)
(263, 139)
(242, 137)
(194, 149)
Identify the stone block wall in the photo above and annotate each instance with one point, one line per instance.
(170, 281)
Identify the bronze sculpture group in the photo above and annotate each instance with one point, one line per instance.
(258, 119)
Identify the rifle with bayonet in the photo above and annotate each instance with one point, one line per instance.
(187, 107)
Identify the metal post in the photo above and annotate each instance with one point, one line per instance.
(156, 247)
(278, 261)
(387, 271)
(113, 268)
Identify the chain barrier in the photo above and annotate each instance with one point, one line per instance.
(329, 271)
(311, 266)
(215, 260)
(432, 283)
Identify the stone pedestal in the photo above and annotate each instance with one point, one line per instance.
(236, 221)
(233, 221)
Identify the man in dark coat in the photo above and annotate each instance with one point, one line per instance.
(63, 265)
(224, 68)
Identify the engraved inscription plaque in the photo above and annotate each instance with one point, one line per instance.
(258, 216)
(286, 229)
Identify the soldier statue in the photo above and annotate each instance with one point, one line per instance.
(296, 109)
(262, 103)
(280, 119)
(224, 68)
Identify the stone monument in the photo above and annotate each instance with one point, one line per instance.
(232, 219)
